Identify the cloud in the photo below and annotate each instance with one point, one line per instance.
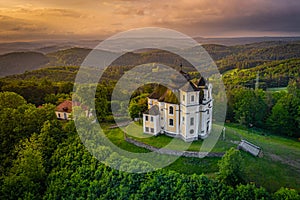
(10, 24)
(232, 16)
(38, 23)
(52, 12)
(129, 11)
(101, 18)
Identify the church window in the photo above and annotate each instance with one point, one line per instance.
(171, 110)
(146, 117)
(151, 119)
(147, 129)
(192, 98)
(171, 122)
(192, 121)
(183, 97)
(207, 126)
(152, 130)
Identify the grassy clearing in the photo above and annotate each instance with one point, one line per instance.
(183, 165)
(116, 136)
(277, 89)
(278, 168)
(287, 148)
(270, 174)
(135, 131)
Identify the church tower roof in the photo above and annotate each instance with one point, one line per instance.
(189, 87)
(201, 82)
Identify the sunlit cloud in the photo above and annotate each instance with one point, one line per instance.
(53, 19)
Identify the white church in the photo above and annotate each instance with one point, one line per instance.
(184, 113)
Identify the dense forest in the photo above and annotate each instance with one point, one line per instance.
(43, 157)
(48, 161)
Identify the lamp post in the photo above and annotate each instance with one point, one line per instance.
(223, 132)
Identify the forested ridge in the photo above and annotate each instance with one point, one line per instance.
(226, 57)
(43, 158)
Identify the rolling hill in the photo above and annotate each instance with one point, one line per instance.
(19, 62)
(68, 57)
(244, 56)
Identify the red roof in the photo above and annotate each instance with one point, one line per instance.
(66, 106)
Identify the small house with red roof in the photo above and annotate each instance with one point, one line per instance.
(64, 110)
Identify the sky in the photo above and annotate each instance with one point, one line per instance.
(27, 20)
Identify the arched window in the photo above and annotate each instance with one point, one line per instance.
(192, 121)
(192, 98)
(171, 110)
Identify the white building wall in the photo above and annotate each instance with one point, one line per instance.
(192, 112)
(63, 115)
(187, 109)
(155, 124)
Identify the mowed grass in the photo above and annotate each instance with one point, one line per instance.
(278, 168)
(135, 131)
(270, 174)
(277, 89)
(116, 136)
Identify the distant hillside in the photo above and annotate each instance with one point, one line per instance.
(45, 46)
(244, 40)
(271, 74)
(19, 62)
(55, 74)
(226, 57)
(248, 56)
(52, 48)
(68, 57)
(218, 51)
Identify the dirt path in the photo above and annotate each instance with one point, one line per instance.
(293, 163)
(121, 124)
(283, 160)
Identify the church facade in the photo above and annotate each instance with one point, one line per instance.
(185, 112)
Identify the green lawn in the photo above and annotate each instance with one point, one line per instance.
(277, 89)
(116, 136)
(134, 130)
(280, 165)
(278, 168)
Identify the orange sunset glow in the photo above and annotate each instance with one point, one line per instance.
(22, 20)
